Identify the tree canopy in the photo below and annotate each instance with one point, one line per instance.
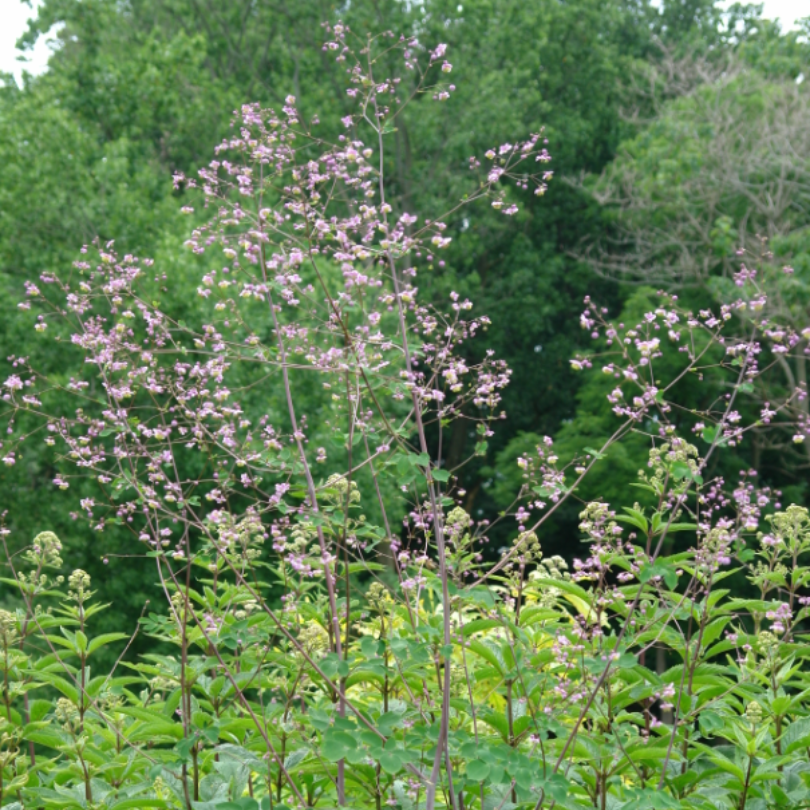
(137, 91)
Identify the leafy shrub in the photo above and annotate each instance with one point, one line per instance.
(316, 656)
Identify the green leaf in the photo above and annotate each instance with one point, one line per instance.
(66, 688)
(44, 735)
(477, 625)
(245, 803)
(635, 518)
(797, 735)
(710, 434)
(101, 641)
(681, 470)
(391, 762)
(336, 744)
(477, 770)
(38, 709)
(387, 722)
(555, 786)
(681, 527)
(710, 722)
(498, 722)
(659, 569)
(487, 653)
(371, 647)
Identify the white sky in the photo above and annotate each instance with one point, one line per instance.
(13, 21)
(14, 15)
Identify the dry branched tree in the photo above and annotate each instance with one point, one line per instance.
(724, 163)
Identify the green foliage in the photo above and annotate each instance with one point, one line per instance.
(589, 437)
(136, 91)
(249, 708)
(342, 663)
(139, 90)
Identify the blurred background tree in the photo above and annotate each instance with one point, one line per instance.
(626, 92)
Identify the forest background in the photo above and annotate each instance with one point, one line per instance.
(680, 133)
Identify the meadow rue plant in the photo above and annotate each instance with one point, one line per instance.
(336, 630)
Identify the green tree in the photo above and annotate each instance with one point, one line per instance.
(139, 90)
